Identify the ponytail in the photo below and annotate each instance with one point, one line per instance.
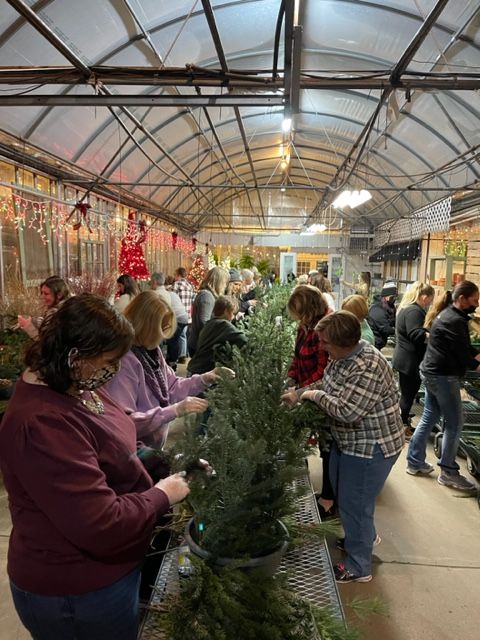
(413, 294)
(439, 305)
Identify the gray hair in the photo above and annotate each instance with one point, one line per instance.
(246, 274)
(158, 277)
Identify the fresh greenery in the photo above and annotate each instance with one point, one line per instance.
(217, 604)
(256, 446)
(13, 344)
(246, 261)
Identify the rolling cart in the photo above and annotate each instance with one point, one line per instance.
(469, 444)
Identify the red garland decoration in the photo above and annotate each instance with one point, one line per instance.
(174, 240)
(82, 208)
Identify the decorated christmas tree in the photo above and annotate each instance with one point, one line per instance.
(198, 272)
(131, 260)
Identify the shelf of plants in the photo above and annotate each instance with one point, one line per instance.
(308, 570)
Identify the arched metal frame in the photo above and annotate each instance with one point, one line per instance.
(307, 161)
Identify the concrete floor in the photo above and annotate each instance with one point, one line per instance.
(426, 571)
(427, 568)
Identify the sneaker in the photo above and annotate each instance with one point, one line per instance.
(424, 470)
(340, 542)
(343, 575)
(456, 481)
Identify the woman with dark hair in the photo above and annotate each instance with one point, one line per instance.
(127, 290)
(83, 507)
(307, 305)
(319, 281)
(448, 356)
(410, 345)
(146, 387)
(53, 292)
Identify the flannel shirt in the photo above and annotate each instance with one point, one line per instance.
(309, 361)
(360, 395)
(186, 293)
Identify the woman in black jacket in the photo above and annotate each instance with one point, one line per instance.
(410, 345)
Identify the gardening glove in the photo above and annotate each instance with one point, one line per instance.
(213, 376)
(190, 405)
(176, 487)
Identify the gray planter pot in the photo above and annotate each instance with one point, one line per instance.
(267, 565)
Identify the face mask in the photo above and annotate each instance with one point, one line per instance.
(98, 378)
(470, 309)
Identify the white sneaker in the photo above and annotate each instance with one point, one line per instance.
(424, 470)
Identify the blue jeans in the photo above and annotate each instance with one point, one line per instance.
(442, 398)
(110, 613)
(175, 344)
(356, 483)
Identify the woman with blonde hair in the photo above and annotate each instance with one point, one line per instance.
(441, 303)
(410, 345)
(213, 286)
(362, 286)
(357, 305)
(308, 306)
(146, 387)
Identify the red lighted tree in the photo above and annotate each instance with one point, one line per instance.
(131, 260)
(198, 272)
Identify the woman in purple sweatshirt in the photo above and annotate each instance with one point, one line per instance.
(83, 507)
(146, 387)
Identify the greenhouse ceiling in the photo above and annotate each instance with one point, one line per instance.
(247, 115)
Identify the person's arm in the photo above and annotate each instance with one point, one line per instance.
(204, 307)
(414, 328)
(382, 322)
(358, 392)
(58, 467)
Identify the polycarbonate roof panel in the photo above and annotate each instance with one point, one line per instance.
(341, 38)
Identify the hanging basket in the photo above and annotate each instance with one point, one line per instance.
(267, 564)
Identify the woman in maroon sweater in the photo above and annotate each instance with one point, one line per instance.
(82, 505)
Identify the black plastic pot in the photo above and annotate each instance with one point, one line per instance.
(267, 564)
(7, 390)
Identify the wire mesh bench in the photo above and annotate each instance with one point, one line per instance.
(309, 570)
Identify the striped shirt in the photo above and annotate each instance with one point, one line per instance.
(360, 395)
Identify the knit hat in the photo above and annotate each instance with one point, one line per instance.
(389, 289)
(235, 275)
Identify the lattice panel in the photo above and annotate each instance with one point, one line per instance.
(310, 572)
(435, 217)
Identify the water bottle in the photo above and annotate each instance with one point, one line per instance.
(184, 564)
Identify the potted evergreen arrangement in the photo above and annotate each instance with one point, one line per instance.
(255, 445)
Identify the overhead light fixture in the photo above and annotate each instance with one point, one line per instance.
(352, 199)
(313, 229)
(286, 125)
(284, 164)
(282, 189)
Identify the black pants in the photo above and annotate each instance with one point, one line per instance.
(409, 386)
(327, 489)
